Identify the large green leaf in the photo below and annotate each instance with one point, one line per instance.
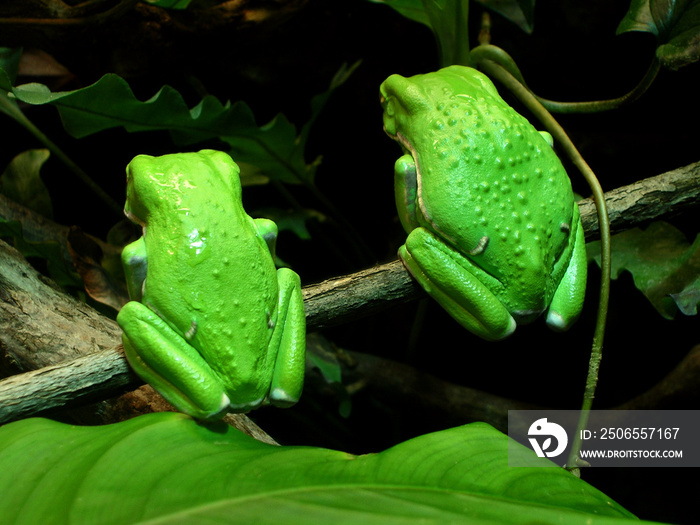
(275, 147)
(675, 23)
(169, 468)
(665, 267)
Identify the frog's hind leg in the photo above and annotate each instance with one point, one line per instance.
(176, 370)
(567, 301)
(289, 337)
(457, 284)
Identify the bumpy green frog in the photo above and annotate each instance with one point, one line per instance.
(212, 325)
(495, 234)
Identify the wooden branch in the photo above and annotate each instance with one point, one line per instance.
(655, 198)
(40, 326)
(398, 384)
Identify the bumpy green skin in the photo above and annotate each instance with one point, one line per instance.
(494, 232)
(213, 325)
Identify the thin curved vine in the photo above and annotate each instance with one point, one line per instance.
(496, 71)
(486, 51)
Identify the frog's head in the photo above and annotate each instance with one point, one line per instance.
(136, 205)
(166, 183)
(401, 98)
(405, 99)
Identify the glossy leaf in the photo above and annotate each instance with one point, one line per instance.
(169, 468)
(675, 23)
(664, 266)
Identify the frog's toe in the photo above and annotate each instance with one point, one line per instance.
(526, 316)
(281, 398)
(558, 322)
(210, 413)
(511, 328)
(241, 408)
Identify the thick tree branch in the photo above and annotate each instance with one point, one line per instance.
(42, 327)
(655, 198)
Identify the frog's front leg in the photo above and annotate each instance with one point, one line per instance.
(289, 339)
(165, 360)
(268, 231)
(406, 191)
(461, 287)
(135, 264)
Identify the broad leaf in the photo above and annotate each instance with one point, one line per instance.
(291, 220)
(447, 19)
(22, 185)
(22, 182)
(683, 46)
(274, 148)
(664, 266)
(110, 103)
(520, 12)
(675, 23)
(169, 468)
(9, 62)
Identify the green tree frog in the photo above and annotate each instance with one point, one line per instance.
(494, 232)
(212, 325)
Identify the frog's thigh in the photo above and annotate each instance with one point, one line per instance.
(169, 364)
(289, 337)
(450, 279)
(567, 302)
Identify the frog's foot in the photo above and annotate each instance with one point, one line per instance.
(163, 358)
(457, 284)
(289, 337)
(567, 301)
(523, 317)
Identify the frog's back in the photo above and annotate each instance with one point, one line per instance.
(217, 273)
(491, 162)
